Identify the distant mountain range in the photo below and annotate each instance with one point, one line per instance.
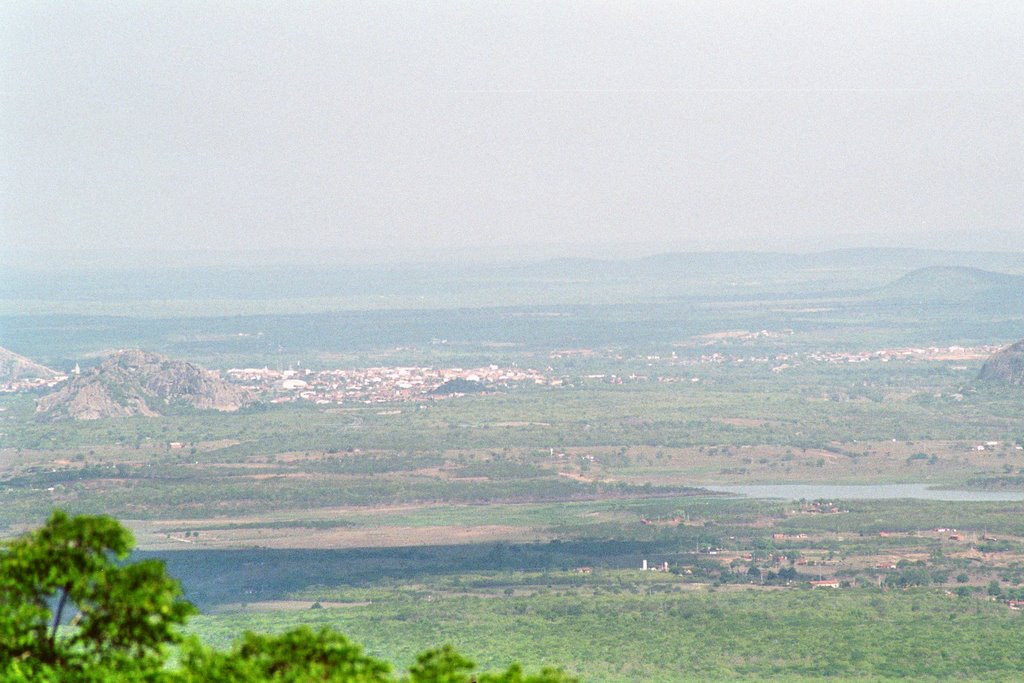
(134, 382)
(840, 270)
(752, 262)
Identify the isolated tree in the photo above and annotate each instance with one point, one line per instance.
(121, 616)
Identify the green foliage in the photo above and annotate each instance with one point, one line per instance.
(515, 675)
(442, 665)
(300, 654)
(125, 614)
(916, 576)
(519, 600)
(694, 635)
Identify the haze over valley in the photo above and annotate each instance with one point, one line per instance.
(553, 343)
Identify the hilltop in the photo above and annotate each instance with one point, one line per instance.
(459, 386)
(134, 382)
(15, 367)
(954, 284)
(1006, 366)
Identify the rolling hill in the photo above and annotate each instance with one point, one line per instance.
(954, 284)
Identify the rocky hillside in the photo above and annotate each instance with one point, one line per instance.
(14, 367)
(1006, 367)
(139, 383)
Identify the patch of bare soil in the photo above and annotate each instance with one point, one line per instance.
(341, 537)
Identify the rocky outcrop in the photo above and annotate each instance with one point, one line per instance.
(139, 383)
(14, 367)
(1005, 367)
(459, 386)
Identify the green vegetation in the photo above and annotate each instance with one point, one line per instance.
(126, 616)
(607, 625)
(513, 523)
(665, 635)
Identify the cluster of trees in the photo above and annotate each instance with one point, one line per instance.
(754, 574)
(72, 610)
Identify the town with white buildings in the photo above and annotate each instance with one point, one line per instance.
(381, 384)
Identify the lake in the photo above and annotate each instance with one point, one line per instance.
(863, 492)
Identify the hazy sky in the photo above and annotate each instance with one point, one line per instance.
(366, 125)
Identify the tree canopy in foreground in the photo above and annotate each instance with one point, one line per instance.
(73, 609)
